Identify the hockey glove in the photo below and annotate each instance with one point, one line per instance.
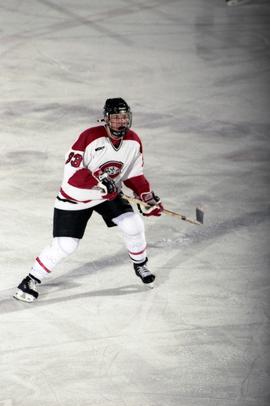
(154, 205)
(109, 187)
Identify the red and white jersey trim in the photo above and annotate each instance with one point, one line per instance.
(93, 153)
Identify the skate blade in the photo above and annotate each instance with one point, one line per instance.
(150, 285)
(24, 297)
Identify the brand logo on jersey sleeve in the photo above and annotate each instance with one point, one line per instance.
(112, 168)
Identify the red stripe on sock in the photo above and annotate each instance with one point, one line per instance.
(43, 266)
(137, 253)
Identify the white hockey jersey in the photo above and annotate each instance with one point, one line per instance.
(94, 153)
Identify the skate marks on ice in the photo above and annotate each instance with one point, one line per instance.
(194, 241)
(96, 22)
(68, 283)
(215, 230)
(22, 157)
(9, 304)
(73, 20)
(191, 239)
(43, 114)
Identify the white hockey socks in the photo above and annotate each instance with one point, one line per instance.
(60, 248)
(132, 228)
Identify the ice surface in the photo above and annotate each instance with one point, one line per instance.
(196, 74)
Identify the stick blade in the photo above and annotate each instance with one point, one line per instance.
(199, 215)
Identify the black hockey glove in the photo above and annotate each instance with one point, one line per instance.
(109, 187)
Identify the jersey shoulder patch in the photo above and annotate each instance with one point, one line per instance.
(88, 136)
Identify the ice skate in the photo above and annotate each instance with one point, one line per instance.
(143, 272)
(27, 289)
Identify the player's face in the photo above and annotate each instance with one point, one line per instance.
(117, 121)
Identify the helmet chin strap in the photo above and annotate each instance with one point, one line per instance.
(116, 134)
(120, 133)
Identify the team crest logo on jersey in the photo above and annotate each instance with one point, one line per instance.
(112, 168)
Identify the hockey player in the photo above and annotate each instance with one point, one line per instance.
(99, 162)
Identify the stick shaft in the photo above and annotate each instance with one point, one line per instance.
(164, 211)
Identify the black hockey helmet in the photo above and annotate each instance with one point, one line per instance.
(117, 106)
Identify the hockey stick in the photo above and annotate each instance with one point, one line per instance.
(199, 212)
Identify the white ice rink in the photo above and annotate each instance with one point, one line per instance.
(197, 75)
